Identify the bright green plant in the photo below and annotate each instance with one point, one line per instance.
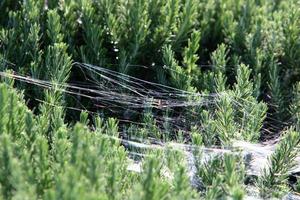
(273, 181)
(234, 65)
(223, 177)
(294, 108)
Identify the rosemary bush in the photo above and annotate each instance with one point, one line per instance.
(232, 67)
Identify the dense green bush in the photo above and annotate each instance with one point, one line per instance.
(234, 64)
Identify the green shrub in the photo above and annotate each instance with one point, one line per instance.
(273, 181)
(227, 70)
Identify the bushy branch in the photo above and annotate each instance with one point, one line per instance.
(273, 181)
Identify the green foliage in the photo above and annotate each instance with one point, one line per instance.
(236, 62)
(54, 27)
(190, 53)
(69, 20)
(224, 122)
(179, 77)
(219, 61)
(186, 22)
(250, 112)
(291, 30)
(238, 114)
(7, 182)
(223, 177)
(295, 106)
(93, 51)
(276, 90)
(273, 181)
(17, 114)
(58, 63)
(169, 13)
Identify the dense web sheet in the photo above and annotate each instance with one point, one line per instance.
(128, 94)
(126, 97)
